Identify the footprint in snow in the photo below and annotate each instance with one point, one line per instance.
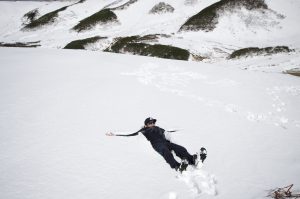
(199, 181)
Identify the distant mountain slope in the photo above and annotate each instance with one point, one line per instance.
(208, 29)
(207, 19)
(46, 18)
(102, 17)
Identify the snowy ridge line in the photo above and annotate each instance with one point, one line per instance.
(113, 4)
(235, 30)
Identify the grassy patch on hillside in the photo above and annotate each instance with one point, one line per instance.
(207, 18)
(45, 19)
(32, 44)
(81, 1)
(125, 5)
(254, 51)
(80, 44)
(103, 16)
(30, 16)
(135, 45)
(157, 50)
(161, 8)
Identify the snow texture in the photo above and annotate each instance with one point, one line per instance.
(57, 105)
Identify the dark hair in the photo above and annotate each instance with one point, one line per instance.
(149, 120)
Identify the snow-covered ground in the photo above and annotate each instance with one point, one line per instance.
(57, 105)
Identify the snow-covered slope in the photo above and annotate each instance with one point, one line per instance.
(236, 28)
(57, 105)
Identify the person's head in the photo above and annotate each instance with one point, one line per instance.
(150, 122)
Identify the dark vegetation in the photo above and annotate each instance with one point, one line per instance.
(102, 17)
(161, 8)
(207, 18)
(45, 19)
(135, 45)
(30, 16)
(254, 51)
(125, 5)
(121, 42)
(80, 44)
(21, 44)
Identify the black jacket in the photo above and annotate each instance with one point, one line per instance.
(153, 134)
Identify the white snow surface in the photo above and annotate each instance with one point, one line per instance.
(57, 105)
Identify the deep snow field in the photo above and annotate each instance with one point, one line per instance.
(57, 105)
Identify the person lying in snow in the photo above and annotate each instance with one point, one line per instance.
(156, 136)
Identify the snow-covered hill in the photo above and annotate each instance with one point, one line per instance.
(57, 105)
(236, 27)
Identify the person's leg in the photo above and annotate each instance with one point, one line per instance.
(181, 152)
(163, 150)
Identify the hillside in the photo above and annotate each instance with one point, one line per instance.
(238, 24)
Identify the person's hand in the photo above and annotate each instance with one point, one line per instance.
(110, 134)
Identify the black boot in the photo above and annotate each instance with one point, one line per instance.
(184, 164)
(203, 154)
(195, 160)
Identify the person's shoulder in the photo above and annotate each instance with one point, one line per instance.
(143, 129)
(157, 127)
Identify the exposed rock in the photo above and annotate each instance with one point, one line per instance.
(32, 44)
(161, 8)
(295, 72)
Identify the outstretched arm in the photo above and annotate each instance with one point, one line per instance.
(126, 135)
(172, 131)
(112, 134)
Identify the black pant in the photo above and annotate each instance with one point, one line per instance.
(165, 148)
